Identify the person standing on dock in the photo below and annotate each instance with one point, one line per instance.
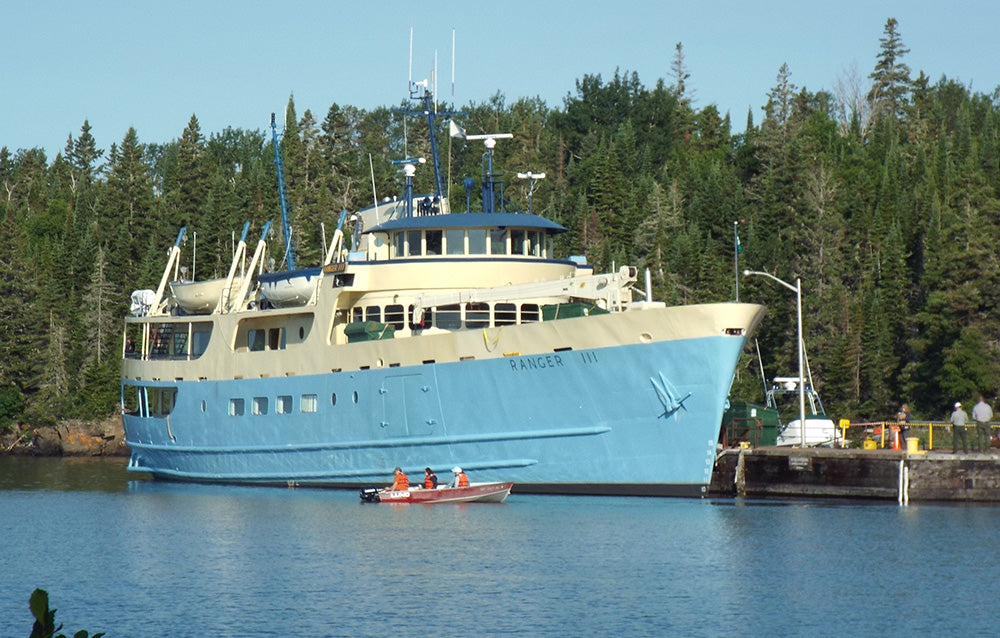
(903, 422)
(959, 419)
(982, 413)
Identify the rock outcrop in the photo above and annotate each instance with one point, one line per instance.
(67, 438)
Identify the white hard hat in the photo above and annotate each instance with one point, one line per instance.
(456, 470)
(958, 405)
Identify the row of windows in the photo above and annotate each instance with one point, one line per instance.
(472, 241)
(175, 341)
(450, 317)
(283, 404)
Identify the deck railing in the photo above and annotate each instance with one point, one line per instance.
(884, 433)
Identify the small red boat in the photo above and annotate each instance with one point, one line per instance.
(474, 493)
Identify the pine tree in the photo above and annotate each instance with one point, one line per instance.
(891, 83)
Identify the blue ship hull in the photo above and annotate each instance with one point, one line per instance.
(631, 419)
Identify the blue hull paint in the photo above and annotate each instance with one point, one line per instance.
(627, 419)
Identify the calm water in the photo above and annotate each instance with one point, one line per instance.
(137, 558)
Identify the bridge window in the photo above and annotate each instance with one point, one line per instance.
(477, 241)
(433, 239)
(498, 241)
(399, 244)
(455, 241)
(413, 247)
(236, 407)
(517, 242)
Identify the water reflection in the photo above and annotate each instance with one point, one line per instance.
(85, 473)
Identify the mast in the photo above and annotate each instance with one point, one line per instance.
(490, 182)
(421, 91)
(286, 228)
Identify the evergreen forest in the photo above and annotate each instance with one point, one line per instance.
(882, 194)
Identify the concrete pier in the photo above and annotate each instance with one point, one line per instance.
(851, 473)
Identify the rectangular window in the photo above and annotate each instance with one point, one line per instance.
(504, 314)
(201, 333)
(477, 241)
(275, 339)
(530, 312)
(413, 247)
(309, 403)
(236, 407)
(160, 336)
(180, 344)
(535, 249)
(283, 405)
(455, 240)
(161, 401)
(477, 315)
(259, 405)
(448, 317)
(399, 244)
(373, 313)
(433, 239)
(498, 241)
(517, 242)
(357, 314)
(395, 316)
(255, 340)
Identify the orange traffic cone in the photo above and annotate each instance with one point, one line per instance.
(895, 438)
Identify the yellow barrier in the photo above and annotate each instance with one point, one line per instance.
(880, 432)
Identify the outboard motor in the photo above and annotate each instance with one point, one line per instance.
(370, 495)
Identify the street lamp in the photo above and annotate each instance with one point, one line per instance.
(797, 289)
(531, 184)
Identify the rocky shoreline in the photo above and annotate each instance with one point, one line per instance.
(67, 438)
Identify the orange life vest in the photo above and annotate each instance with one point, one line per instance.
(463, 480)
(400, 482)
(430, 482)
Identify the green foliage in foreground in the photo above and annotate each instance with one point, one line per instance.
(45, 619)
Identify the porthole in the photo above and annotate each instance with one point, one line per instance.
(302, 332)
(203, 406)
(333, 399)
(355, 396)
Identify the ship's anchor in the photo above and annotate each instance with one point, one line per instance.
(668, 395)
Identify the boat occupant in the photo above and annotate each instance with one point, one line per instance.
(460, 480)
(430, 479)
(399, 481)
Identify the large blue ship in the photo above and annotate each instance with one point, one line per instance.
(434, 339)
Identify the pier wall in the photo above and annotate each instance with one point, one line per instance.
(848, 473)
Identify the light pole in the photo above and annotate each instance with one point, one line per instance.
(531, 184)
(797, 289)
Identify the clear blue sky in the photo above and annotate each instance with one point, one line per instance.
(151, 64)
